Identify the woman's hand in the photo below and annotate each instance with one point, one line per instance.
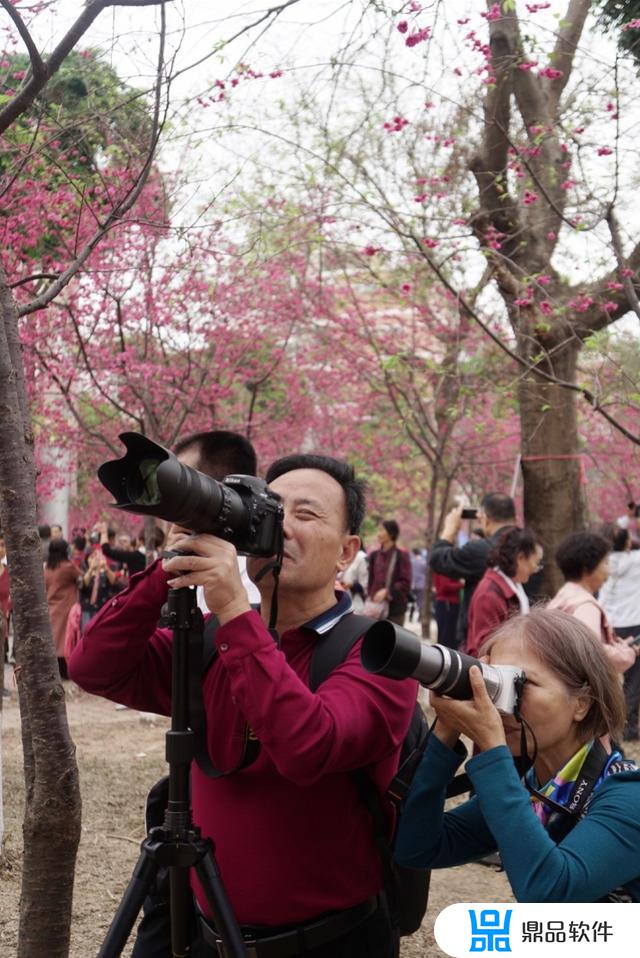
(477, 718)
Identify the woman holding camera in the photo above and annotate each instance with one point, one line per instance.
(582, 840)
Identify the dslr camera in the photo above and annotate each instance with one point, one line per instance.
(150, 481)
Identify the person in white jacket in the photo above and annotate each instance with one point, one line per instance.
(620, 598)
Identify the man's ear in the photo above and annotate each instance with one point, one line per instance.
(350, 546)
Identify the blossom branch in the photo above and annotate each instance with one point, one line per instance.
(119, 210)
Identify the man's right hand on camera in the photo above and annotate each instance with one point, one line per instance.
(213, 564)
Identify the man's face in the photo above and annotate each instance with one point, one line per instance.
(316, 543)
(3, 549)
(384, 539)
(482, 520)
(56, 532)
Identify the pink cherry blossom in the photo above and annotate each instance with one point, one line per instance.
(550, 73)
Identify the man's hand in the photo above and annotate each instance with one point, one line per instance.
(477, 718)
(452, 523)
(97, 560)
(380, 595)
(631, 642)
(214, 566)
(172, 535)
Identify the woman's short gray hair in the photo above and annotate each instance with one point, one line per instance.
(577, 656)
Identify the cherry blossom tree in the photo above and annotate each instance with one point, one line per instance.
(77, 157)
(60, 224)
(495, 148)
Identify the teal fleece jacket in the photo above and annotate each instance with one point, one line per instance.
(601, 853)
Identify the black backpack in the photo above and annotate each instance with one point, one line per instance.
(407, 889)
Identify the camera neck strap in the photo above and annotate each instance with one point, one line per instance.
(275, 567)
(577, 793)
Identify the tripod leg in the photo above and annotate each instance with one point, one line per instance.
(180, 908)
(137, 890)
(223, 916)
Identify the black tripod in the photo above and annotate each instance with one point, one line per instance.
(177, 843)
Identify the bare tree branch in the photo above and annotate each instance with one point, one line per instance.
(623, 265)
(27, 93)
(566, 45)
(37, 66)
(534, 367)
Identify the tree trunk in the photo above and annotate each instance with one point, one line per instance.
(554, 501)
(52, 795)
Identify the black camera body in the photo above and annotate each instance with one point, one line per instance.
(150, 480)
(263, 510)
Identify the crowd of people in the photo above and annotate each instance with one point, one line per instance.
(301, 863)
(80, 575)
(497, 574)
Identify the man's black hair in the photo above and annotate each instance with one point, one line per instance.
(44, 531)
(498, 508)
(339, 470)
(580, 553)
(392, 528)
(221, 453)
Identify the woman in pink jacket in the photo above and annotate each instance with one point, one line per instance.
(583, 559)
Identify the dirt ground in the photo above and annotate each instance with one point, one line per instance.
(120, 755)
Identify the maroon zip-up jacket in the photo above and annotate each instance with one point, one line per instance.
(492, 602)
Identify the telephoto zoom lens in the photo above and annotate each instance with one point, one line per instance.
(396, 653)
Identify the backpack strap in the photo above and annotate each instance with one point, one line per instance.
(202, 655)
(407, 890)
(332, 648)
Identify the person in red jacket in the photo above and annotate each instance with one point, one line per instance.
(500, 593)
(294, 840)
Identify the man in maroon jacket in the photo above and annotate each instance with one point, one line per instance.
(293, 840)
(390, 572)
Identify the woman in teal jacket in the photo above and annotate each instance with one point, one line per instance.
(569, 830)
